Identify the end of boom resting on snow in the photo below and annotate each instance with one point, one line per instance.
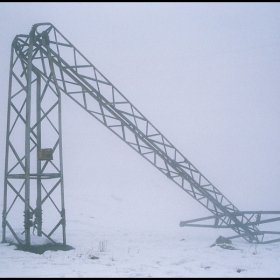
(43, 66)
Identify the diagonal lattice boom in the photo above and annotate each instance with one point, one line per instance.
(66, 70)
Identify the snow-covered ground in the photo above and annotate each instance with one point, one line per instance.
(206, 76)
(107, 246)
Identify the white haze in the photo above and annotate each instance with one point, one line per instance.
(207, 76)
(130, 238)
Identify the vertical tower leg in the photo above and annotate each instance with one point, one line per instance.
(33, 164)
(38, 210)
(4, 213)
(27, 212)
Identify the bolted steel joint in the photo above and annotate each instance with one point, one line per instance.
(28, 216)
(32, 31)
(45, 38)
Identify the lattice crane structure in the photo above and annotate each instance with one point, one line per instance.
(43, 66)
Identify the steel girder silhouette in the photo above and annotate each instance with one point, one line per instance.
(58, 67)
(33, 166)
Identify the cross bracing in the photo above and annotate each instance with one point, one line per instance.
(47, 60)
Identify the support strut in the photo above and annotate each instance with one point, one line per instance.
(58, 67)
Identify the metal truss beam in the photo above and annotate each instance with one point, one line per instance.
(255, 218)
(33, 165)
(63, 68)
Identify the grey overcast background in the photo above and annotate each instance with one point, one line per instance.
(207, 75)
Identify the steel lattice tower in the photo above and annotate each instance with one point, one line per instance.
(33, 166)
(44, 65)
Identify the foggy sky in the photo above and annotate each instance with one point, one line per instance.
(205, 74)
